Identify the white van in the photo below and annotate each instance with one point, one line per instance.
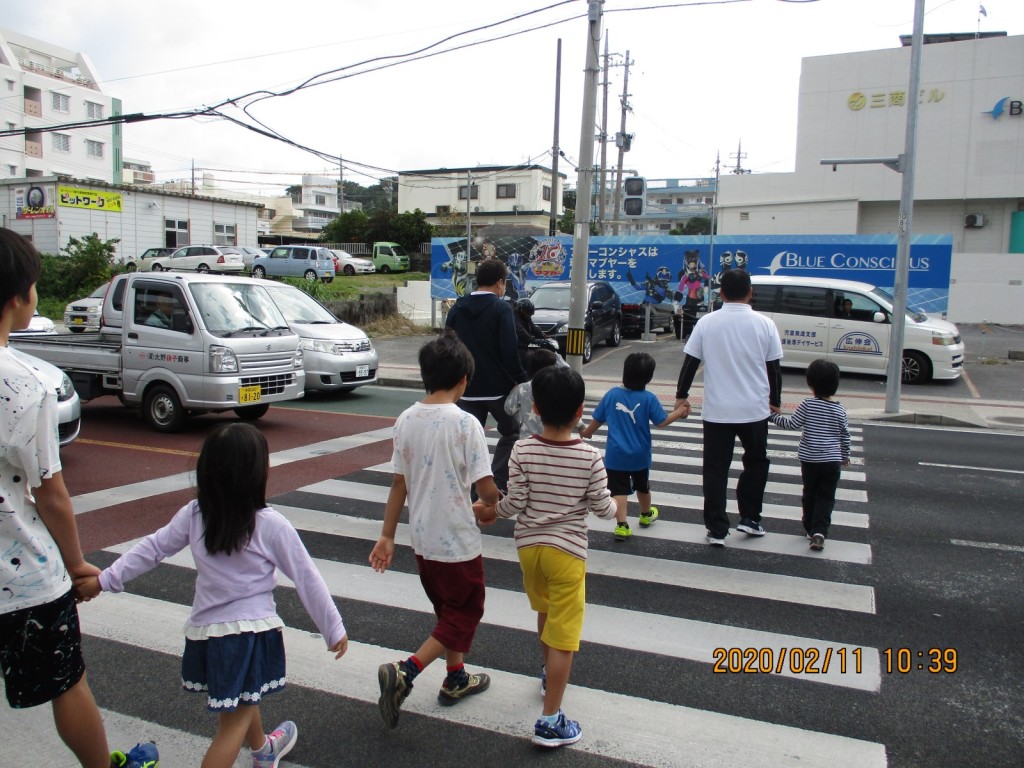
(849, 323)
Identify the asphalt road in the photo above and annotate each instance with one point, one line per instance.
(924, 554)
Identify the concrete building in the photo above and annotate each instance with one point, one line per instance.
(51, 209)
(515, 196)
(669, 204)
(44, 85)
(970, 148)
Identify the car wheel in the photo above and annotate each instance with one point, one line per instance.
(329, 279)
(156, 268)
(162, 409)
(309, 275)
(202, 269)
(588, 347)
(349, 270)
(616, 337)
(252, 412)
(916, 367)
(385, 269)
(130, 267)
(259, 272)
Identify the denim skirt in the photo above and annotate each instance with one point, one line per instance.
(234, 669)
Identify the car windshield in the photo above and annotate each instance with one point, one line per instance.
(299, 307)
(231, 309)
(100, 292)
(550, 297)
(914, 314)
(399, 250)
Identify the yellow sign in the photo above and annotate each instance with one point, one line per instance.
(76, 197)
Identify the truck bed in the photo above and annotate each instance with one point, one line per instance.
(91, 352)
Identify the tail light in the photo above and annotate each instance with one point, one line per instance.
(220, 259)
(630, 307)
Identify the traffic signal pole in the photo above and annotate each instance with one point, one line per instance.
(584, 190)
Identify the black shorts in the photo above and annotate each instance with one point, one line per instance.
(623, 482)
(41, 652)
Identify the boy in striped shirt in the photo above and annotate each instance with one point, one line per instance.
(555, 481)
(824, 448)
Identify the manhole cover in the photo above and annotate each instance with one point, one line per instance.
(1009, 419)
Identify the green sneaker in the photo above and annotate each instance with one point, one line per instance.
(650, 517)
(622, 532)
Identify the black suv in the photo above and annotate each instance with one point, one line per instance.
(603, 320)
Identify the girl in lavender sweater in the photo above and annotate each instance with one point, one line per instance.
(234, 645)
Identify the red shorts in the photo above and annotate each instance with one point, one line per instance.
(456, 590)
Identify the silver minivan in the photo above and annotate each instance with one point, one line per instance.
(849, 323)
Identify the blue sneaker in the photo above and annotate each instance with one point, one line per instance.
(564, 731)
(142, 756)
(279, 743)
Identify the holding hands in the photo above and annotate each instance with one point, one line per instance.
(486, 514)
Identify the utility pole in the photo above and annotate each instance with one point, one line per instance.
(738, 169)
(622, 145)
(341, 188)
(711, 238)
(603, 184)
(556, 194)
(584, 188)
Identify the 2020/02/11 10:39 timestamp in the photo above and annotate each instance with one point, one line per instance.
(933, 660)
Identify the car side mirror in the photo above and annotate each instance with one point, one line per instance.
(879, 317)
(181, 323)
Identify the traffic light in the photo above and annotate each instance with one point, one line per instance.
(636, 196)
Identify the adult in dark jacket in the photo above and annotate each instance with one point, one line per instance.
(485, 324)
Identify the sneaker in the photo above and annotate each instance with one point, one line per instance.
(650, 517)
(622, 532)
(544, 681)
(394, 688)
(141, 756)
(564, 731)
(477, 683)
(750, 528)
(279, 743)
(715, 541)
(817, 542)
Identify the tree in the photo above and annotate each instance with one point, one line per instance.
(567, 224)
(349, 227)
(695, 225)
(407, 229)
(450, 224)
(86, 263)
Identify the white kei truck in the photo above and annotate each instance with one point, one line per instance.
(178, 344)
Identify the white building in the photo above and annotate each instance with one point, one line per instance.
(970, 148)
(43, 85)
(518, 196)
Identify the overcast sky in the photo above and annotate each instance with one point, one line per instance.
(705, 76)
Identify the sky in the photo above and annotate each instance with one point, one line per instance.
(704, 77)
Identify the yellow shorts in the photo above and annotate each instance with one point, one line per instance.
(555, 582)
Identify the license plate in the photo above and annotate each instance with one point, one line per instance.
(250, 394)
(78, 320)
(362, 371)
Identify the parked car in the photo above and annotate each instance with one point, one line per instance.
(250, 254)
(131, 263)
(347, 264)
(38, 326)
(84, 314)
(602, 322)
(307, 261)
(635, 315)
(335, 355)
(198, 258)
(69, 406)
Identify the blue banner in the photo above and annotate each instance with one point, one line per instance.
(661, 268)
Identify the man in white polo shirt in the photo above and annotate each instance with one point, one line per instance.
(740, 350)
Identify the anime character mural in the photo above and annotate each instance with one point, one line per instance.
(693, 281)
(655, 288)
(727, 261)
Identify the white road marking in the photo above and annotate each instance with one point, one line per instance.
(987, 545)
(976, 469)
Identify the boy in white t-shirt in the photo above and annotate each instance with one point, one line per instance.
(440, 452)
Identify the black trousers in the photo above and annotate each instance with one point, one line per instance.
(719, 443)
(508, 428)
(819, 494)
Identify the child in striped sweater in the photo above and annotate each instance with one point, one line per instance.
(824, 448)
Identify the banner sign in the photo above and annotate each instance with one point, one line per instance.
(35, 202)
(659, 268)
(76, 197)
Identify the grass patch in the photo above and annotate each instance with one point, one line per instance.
(349, 287)
(397, 324)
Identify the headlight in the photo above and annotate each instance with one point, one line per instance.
(67, 389)
(94, 310)
(563, 328)
(297, 360)
(318, 345)
(943, 339)
(222, 360)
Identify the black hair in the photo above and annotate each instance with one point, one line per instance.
(490, 271)
(558, 393)
(823, 378)
(637, 370)
(231, 485)
(444, 361)
(539, 359)
(20, 266)
(735, 284)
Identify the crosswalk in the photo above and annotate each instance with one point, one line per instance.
(684, 646)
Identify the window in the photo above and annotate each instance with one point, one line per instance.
(10, 85)
(93, 110)
(160, 308)
(443, 210)
(794, 300)
(224, 234)
(13, 170)
(764, 298)
(11, 126)
(744, 216)
(94, 148)
(61, 102)
(547, 193)
(175, 233)
(61, 142)
(506, 191)
(474, 194)
(319, 199)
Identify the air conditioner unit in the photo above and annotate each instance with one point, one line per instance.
(974, 220)
(476, 209)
